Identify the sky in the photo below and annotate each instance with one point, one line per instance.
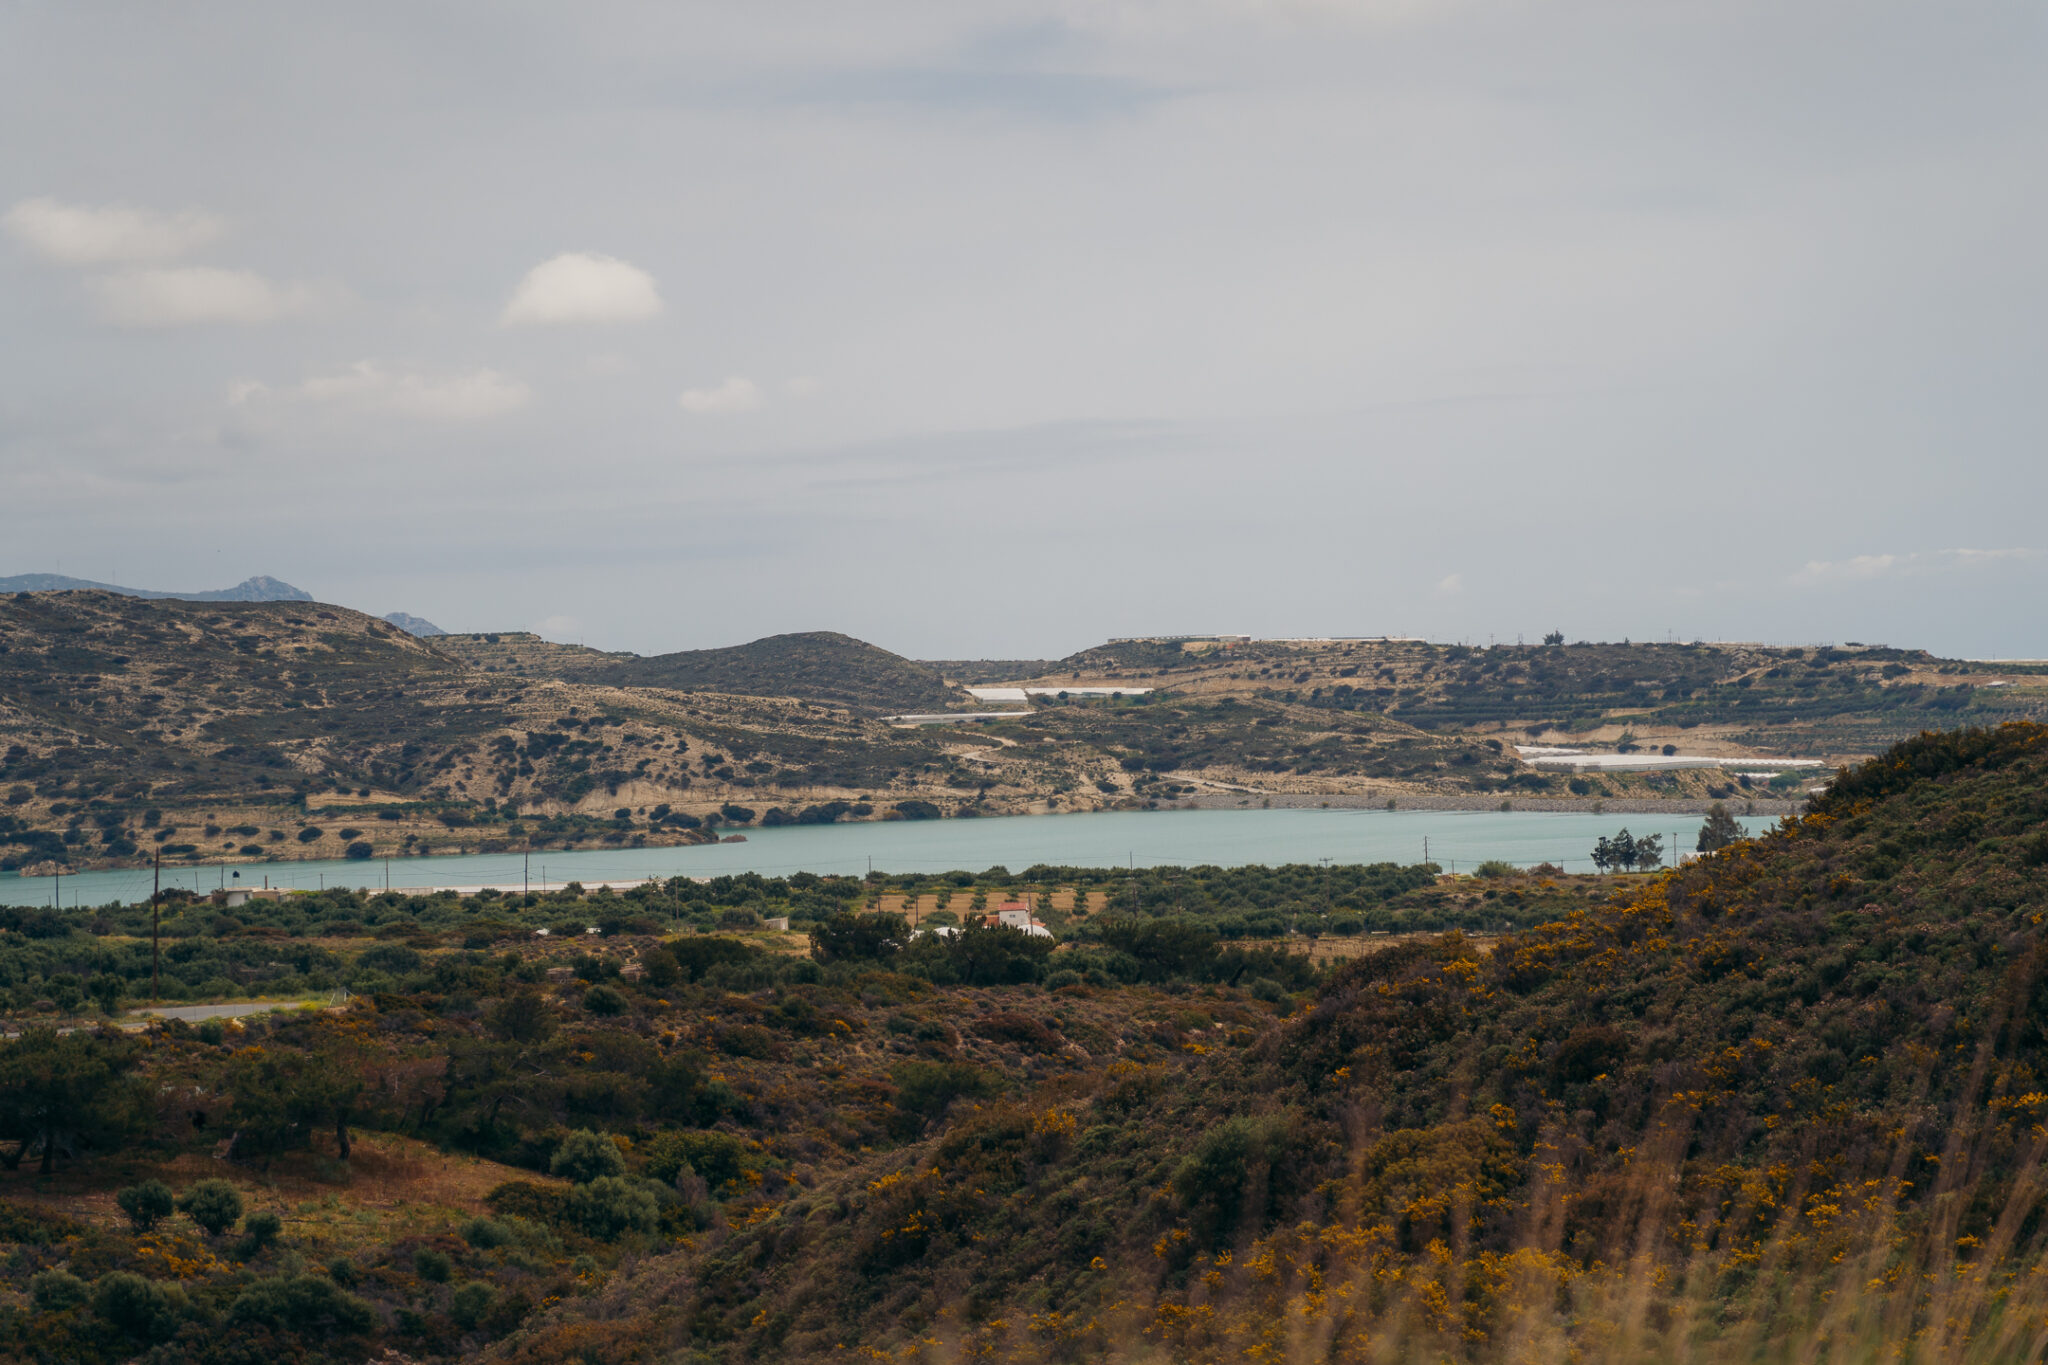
(994, 330)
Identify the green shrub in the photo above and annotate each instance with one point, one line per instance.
(485, 1234)
(659, 968)
(393, 959)
(585, 1156)
(699, 953)
(925, 1090)
(718, 1157)
(433, 1265)
(304, 1304)
(1229, 1175)
(604, 1000)
(146, 1204)
(611, 1205)
(53, 1291)
(260, 1230)
(849, 937)
(1494, 867)
(468, 1305)
(522, 1017)
(668, 1157)
(139, 1307)
(106, 989)
(213, 1204)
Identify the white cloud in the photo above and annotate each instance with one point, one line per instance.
(187, 295)
(79, 234)
(1854, 570)
(1863, 568)
(560, 629)
(579, 286)
(1965, 557)
(734, 395)
(366, 385)
(1450, 585)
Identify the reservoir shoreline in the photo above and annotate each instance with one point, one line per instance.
(1533, 805)
(1228, 838)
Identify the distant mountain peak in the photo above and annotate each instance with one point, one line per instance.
(264, 588)
(261, 588)
(413, 625)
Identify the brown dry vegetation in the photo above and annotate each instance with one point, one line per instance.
(1783, 1104)
(1786, 1104)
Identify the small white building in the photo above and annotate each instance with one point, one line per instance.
(1016, 915)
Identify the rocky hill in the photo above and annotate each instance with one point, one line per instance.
(244, 730)
(216, 730)
(819, 666)
(248, 730)
(1824, 701)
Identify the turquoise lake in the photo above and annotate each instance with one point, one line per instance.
(1455, 839)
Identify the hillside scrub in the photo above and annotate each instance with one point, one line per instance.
(463, 1140)
(1784, 1103)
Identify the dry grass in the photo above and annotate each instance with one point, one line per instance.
(390, 1187)
(1330, 948)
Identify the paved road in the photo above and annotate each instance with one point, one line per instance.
(136, 1020)
(192, 1014)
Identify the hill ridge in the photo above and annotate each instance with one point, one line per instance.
(816, 665)
(259, 588)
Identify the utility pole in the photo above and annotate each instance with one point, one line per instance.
(156, 891)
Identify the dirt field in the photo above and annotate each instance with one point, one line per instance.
(389, 1185)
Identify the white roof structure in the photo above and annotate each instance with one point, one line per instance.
(1579, 761)
(1016, 694)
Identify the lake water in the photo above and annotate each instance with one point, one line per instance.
(1455, 839)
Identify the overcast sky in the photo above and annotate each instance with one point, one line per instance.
(995, 329)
